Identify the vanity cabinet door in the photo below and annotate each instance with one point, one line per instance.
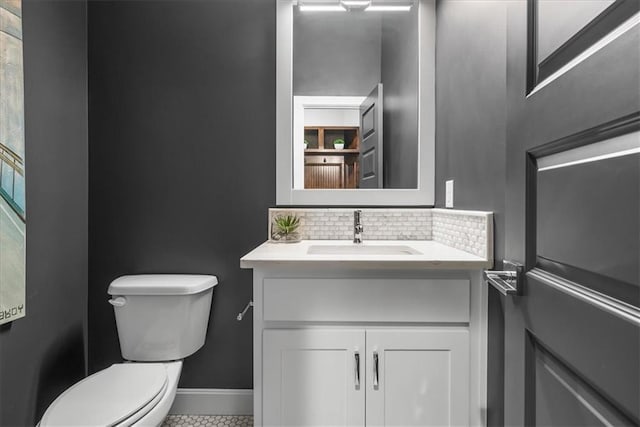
(310, 377)
(417, 377)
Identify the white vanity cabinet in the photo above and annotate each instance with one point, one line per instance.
(368, 340)
(374, 377)
(310, 377)
(417, 377)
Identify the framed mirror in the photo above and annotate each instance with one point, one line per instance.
(355, 102)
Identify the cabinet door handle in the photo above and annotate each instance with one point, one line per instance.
(375, 370)
(357, 368)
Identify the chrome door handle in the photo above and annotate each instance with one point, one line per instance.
(375, 370)
(507, 281)
(503, 281)
(357, 368)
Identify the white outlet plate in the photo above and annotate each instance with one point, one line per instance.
(448, 198)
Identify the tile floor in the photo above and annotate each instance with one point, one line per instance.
(208, 421)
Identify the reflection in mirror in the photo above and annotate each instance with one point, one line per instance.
(355, 89)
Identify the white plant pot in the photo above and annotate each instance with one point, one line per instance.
(338, 146)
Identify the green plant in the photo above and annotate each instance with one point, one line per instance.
(338, 141)
(286, 224)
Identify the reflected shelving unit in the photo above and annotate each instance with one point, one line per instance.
(326, 166)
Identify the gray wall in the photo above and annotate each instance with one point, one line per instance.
(400, 99)
(471, 135)
(471, 111)
(44, 353)
(336, 54)
(182, 161)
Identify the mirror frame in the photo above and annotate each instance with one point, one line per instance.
(424, 195)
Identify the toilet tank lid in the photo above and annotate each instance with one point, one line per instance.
(162, 284)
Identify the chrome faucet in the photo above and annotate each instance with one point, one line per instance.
(357, 226)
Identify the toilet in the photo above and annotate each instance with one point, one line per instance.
(161, 319)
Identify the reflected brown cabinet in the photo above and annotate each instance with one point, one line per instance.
(327, 167)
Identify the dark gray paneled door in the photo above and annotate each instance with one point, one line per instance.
(371, 144)
(572, 336)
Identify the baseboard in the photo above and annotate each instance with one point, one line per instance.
(212, 401)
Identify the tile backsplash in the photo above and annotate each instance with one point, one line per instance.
(470, 231)
(379, 224)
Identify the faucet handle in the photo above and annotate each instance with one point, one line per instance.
(357, 226)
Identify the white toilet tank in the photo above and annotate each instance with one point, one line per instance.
(161, 317)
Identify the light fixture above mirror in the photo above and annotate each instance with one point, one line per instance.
(355, 5)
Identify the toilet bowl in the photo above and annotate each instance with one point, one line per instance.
(160, 319)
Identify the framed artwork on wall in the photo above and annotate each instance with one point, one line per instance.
(13, 214)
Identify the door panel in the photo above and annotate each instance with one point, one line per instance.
(318, 369)
(598, 347)
(560, 20)
(310, 378)
(371, 145)
(572, 338)
(607, 230)
(564, 398)
(560, 31)
(405, 374)
(423, 377)
(567, 211)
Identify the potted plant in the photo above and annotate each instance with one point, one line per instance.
(284, 229)
(306, 144)
(338, 143)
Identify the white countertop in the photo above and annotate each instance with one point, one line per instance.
(433, 255)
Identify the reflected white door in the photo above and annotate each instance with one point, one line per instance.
(420, 378)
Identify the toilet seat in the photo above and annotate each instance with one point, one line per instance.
(130, 421)
(117, 396)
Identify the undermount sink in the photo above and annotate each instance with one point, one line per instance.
(364, 249)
